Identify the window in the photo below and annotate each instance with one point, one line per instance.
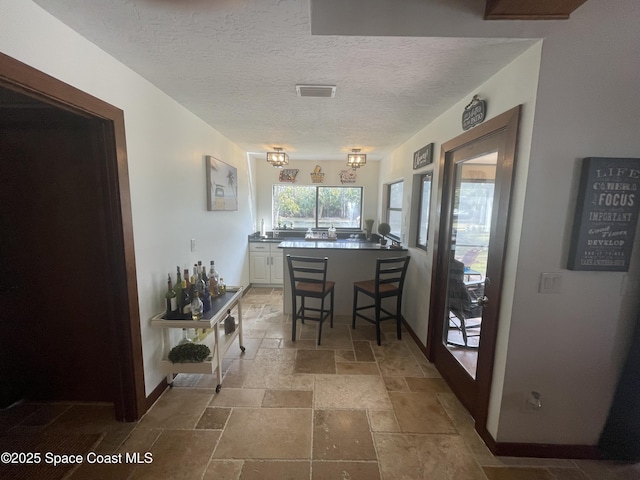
(394, 208)
(423, 213)
(303, 206)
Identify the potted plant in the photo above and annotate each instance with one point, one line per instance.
(383, 230)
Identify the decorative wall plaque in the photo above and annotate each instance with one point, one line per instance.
(474, 113)
(317, 176)
(423, 157)
(288, 175)
(606, 214)
(348, 176)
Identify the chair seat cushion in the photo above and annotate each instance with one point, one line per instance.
(314, 288)
(370, 286)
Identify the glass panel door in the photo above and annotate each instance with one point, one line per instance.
(471, 215)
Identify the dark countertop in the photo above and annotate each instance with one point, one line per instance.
(295, 239)
(336, 245)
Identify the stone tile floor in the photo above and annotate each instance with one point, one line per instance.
(348, 409)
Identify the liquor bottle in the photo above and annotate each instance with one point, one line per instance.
(186, 277)
(196, 306)
(213, 280)
(206, 297)
(178, 290)
(222, 287)
(229, 323)
(199, 283)
(171, 300)
(185, 337)
(185, 301)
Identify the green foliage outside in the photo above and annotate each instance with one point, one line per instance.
(337, 206)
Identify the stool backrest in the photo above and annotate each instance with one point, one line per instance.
(307, 270)
(391, 271)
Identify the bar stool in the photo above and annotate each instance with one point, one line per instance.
(389, 282)
(308, 277)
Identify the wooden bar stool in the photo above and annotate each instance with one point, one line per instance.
(389, 281)
(308, 277)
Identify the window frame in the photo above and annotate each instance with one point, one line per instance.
(317, 189)
(389, 209)
(421, 211)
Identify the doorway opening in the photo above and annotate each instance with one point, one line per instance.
(474, 190)
(67, 265)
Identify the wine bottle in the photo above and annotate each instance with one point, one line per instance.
(206, 295)
(185, 301)
(196, 306)
(178, 290)
(186, 277)
(171, 300)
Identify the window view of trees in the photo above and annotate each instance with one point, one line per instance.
(394, 208)
(300, 206)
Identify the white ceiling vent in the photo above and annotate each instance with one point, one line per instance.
(322, 91)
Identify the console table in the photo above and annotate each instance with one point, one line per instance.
(210, 330)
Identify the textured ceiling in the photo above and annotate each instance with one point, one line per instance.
(235, 64)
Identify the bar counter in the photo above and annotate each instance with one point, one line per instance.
(349, 261)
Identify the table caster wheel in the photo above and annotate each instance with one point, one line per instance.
(218, 387)
(242, 348)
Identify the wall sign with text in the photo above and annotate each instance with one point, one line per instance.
(423, 157)
(474, 113)
(606, 214)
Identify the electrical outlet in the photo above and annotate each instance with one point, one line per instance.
(193, 244)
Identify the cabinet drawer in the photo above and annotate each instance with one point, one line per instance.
(259, 247)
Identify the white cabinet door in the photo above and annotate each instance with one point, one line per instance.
(259, 268)
(265, 263)
(277, 265)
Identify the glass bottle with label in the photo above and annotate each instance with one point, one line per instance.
(185, 301)
(178, 290)
(196, 306)
(170, 300)
(213, 280)
(222, 287)
(206, 297)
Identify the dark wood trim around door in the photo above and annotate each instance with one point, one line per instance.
(109, 142)
(507, 124)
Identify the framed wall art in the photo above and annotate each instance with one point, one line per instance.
(222, 185)
(606, 215)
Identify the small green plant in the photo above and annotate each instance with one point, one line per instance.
(189, 353)
(384, 229)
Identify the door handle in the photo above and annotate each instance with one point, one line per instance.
(483, 301)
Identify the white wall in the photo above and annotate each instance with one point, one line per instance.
(267, 177)
(569, 346)
(165, 146)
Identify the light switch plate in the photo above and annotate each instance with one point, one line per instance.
(550, 283)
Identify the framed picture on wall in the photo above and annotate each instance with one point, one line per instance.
(222, 185)
(423, 157)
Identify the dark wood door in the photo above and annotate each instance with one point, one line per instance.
(474, 190)
(56, 340)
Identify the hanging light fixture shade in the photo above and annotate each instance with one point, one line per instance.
(278, 158)
(356, 159)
